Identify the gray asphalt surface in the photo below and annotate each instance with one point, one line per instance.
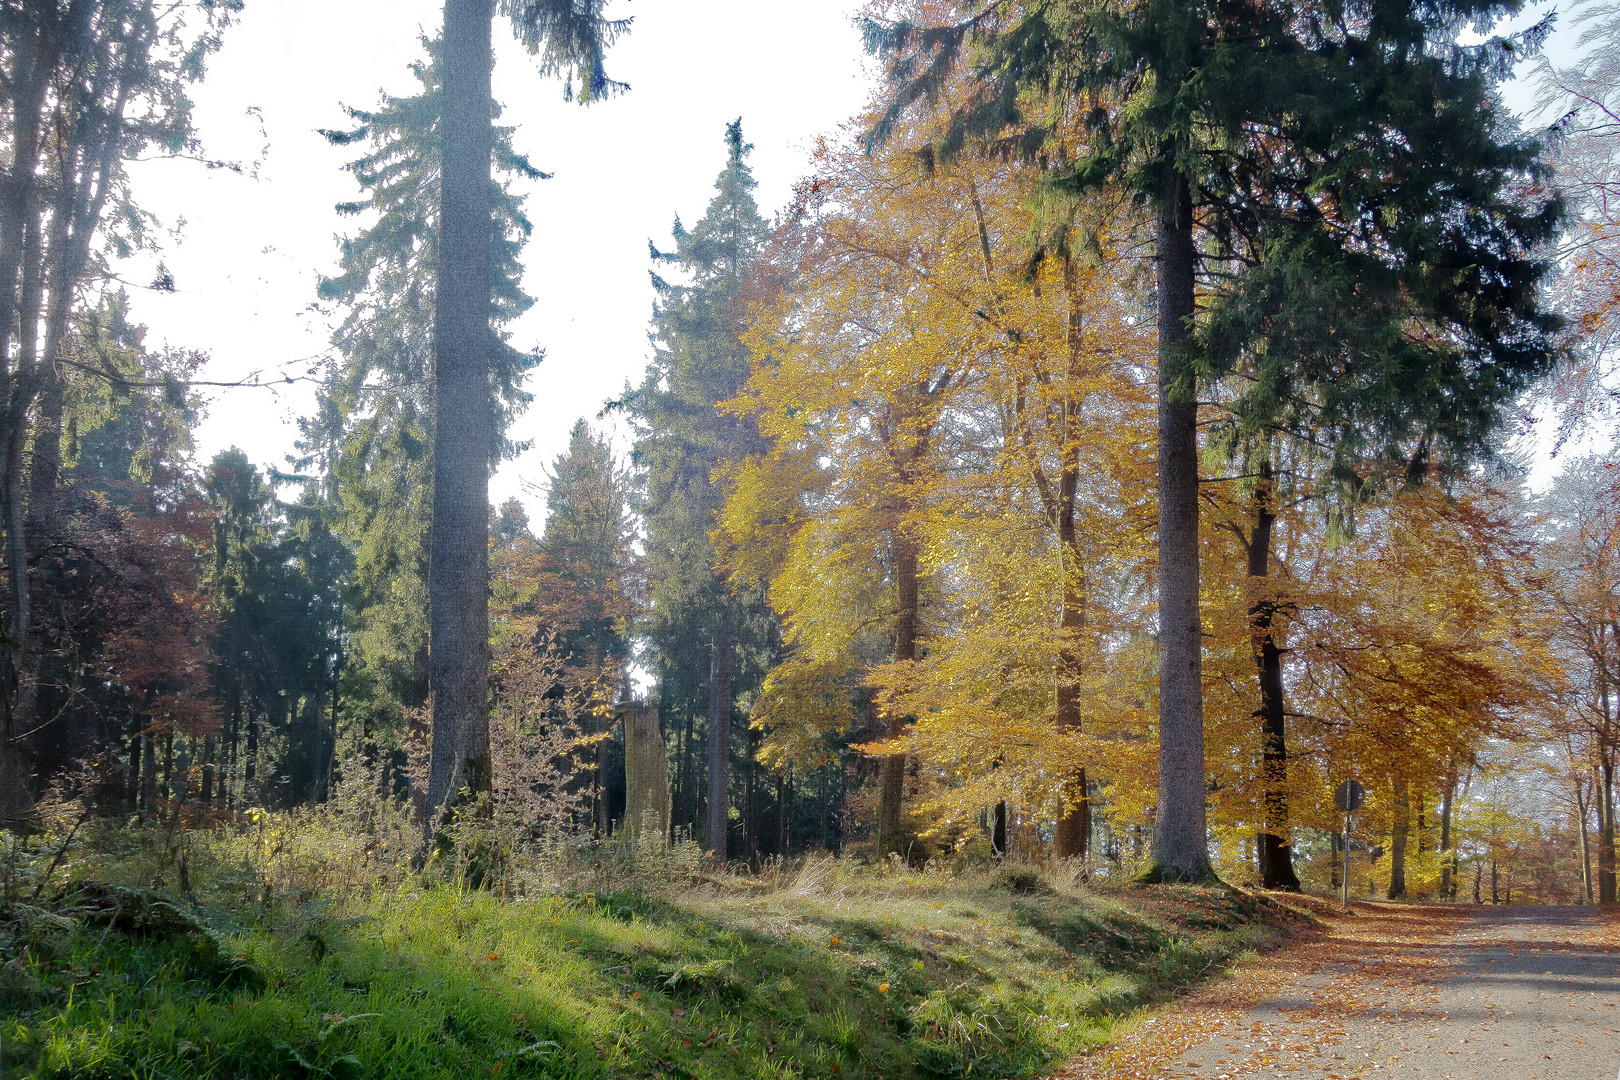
(1499, 994)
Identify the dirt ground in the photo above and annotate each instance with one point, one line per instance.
(1407, 991)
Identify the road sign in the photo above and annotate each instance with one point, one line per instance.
(1349, 796)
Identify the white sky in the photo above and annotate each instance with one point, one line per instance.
(246, 258)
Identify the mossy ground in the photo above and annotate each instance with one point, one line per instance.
(881, 977)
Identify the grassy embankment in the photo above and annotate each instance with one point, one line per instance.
(838, 973)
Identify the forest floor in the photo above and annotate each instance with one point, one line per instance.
(837, 971)
(1407, 991)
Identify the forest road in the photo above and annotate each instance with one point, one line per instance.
(1405, 991)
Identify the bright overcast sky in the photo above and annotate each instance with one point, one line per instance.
(246, 261)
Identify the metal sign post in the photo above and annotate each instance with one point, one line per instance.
(1348, 797)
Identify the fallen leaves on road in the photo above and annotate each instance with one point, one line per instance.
(1309, 1006)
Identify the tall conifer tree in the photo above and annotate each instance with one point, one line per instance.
(683, 438)
(570, 37)
(373, 428)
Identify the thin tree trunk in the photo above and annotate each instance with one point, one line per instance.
(234, 755)
(1397, 847)
(751, 805)
(821, 832)
(688, 796)
(781, 813)
(1605, 859)
(1448, 878)
(208, 770)
(331, 743)
(168, 764)
(1586, 847)
(250, 756)
(148, 771)
(464, 442)
(719, 808)
(1180, 831)
(132, 790)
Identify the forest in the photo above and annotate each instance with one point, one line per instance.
(1143, 418)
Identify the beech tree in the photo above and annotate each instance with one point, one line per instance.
(1226, 121)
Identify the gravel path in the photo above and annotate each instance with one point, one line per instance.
(1410, 992)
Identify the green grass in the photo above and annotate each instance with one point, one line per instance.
(881, 976)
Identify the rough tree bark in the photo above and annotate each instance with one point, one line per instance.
(458, 569)
(1180, 849)
(1275, 851)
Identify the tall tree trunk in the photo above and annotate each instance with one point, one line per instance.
(685, 797)
(1397, 847)
(234, 754)
(892, 775)
(1071, 838)
(719, 808)
(1585, 845)
(781, 812)
(998, 831)
(331, 743)
(208, 771)
(821, 831)
(1448, 874)
(250, 755)
(751, 805)
(604, 816)
(28, 77)
(1605, 859)
(132, 792)
(1276, 853)
(458, 568)
(1180, 831)
(148, 770)
(168, 764)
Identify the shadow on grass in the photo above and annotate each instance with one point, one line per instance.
(438, 984)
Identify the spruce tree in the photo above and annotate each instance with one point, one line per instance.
(1339, 177)
(372, 432)
(587, 544)
(683, 438)
(569, 36)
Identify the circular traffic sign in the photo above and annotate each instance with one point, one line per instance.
(1349, 796)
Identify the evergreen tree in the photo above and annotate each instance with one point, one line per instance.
(592, 569)
(275, 575)
(373, 426)
(1350, 165)
(569, 36)
(683, 439)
